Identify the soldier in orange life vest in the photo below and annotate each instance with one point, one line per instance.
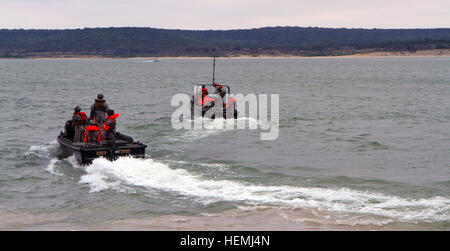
(79, 122)
(92, 134)
(204, 93)
(110, 125)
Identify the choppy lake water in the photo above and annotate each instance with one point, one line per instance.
(364, 143)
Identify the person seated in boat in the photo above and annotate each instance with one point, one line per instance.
(92, 133)
(79, 123)
(99, 109)
(216, 86)
(110, 125)
(219, 90)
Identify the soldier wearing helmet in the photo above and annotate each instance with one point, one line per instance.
(79, 122)
(98, 110)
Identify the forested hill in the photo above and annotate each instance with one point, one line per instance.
(126, 42)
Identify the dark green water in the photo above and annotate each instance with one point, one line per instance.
(359, 138)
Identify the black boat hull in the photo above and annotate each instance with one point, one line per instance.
(213, 116)
(86, 153)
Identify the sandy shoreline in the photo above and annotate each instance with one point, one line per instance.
(381, 54)
(257, 218)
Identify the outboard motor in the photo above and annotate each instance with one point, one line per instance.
(69, 130)
(124, 137)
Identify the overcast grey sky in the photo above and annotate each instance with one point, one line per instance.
(224, 14)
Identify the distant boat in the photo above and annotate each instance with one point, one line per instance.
(151, 61)
(207, 101)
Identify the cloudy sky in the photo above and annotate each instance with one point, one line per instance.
(224, 14)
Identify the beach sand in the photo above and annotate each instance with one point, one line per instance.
(425, 53)
(255, 218)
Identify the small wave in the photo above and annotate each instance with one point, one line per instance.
(73, 161)
(43, 151)
(309, 215)
(149, 61)
(51, 167)
(222, 123)
(148, 174)
(372, 145)
(59, 167)
(199, 134)
(210, 165)
(212, 127)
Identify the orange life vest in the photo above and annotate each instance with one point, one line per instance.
(113, 118)
(202, 101)
(229, 101)
(204, 93)
(91, 128)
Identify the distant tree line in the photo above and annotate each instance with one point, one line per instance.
(128, 42)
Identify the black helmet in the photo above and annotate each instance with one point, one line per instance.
(77, 109)
(110, 112)
(99, 98)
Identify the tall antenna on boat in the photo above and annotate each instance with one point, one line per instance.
(214, 71)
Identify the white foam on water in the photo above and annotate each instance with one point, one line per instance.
(218, 166)
(42, 151)
(99, 182)
(200, 133)
(213, 127)
(73, 161)
(51, 167)
(208, 127)
(149, 174)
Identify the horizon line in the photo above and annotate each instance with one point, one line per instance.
(233, 29)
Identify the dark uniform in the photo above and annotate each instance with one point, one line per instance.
(79, 123)
(98, 110)
(221, 92)
(110, 125)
